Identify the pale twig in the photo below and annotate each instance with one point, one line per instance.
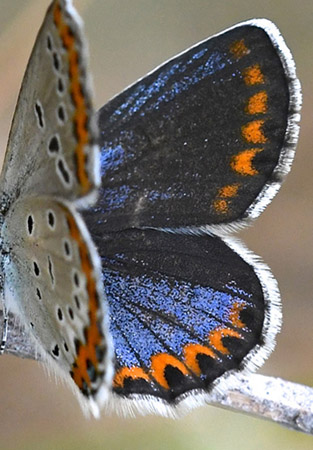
(286, 403)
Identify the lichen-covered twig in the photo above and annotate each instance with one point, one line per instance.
(289, 404)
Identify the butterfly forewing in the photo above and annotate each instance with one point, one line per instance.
(204, 139)
(53, 120)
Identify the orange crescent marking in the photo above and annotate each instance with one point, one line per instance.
(80, 117)
(253, 75)
(159, 363)
(191, 352)
(234, 315)
(216, 336)
(239, 49)
(229, 191)
(242, 163)
(257, 104)
(226, 192)
(93, 335)
(135, 373)
(221, 206)
(252, 132)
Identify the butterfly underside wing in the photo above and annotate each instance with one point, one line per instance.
(54, 117)
(52, 272)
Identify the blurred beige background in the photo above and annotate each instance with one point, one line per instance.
(126, 40)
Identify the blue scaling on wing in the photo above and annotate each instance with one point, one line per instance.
(167, 314)
(183, 310)
(199, 309)
(199, 140)
(169, 82)
(203, 140)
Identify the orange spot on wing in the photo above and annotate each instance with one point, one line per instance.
(234, 315)
(191, 352)
(216, 336)
(253, 75)
(257, 104)
(94, 339)
(80, 118)
(229, 190)
(252, 132)
(239, 49)
(242, 163)
(221, 206)
(159, 363)
(135, 373)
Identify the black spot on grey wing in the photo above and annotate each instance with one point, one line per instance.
(67, 249)
(38, 293)
(71, 313)
(77, 345)
(54, 145)
(76, 279)
(60, 314)
(61, 113)
(77, 302)
(30, 224)
(51, 219)
(56, 61)
(39, 114)
(60, 86)
(31, 324)
(56, 351)
(65, 346)
(49, 43)
(50, 267)
(63, 171)
(36, 269)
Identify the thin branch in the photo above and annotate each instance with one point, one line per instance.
(18, 342)
(286, 403)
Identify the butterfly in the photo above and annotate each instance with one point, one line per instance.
(117, 252)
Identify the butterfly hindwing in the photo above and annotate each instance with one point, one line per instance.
(184, 311)
(205, 138)
(52, 282)
(53, 136)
